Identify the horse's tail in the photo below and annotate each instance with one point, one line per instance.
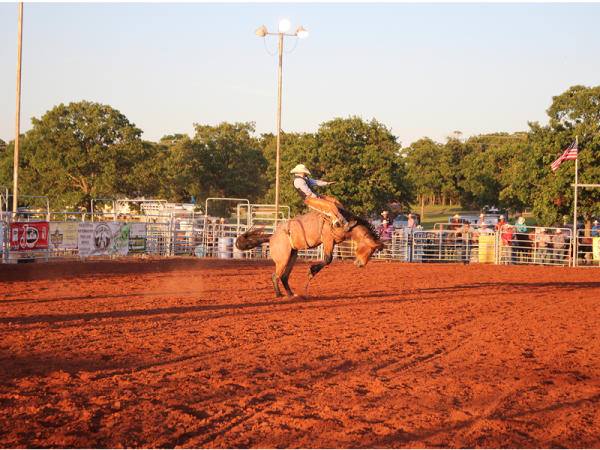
(252, 238)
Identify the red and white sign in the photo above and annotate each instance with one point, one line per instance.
(29, 236)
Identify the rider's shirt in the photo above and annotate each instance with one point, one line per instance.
(304, 186)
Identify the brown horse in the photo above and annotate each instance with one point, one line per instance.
(308, 231)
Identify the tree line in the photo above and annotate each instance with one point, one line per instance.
(86, 150)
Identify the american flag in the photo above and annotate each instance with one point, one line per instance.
(569, 153)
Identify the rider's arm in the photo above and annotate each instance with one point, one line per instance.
(314, 182)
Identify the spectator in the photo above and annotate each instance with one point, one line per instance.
(385, 231)
(595, 229)
(559, 245)
(220, 228)
(520, 226)
(543, 245)
(522, 243)
(482, 229)
(481, 218)
(507, 234)
(411, 221)
(385, 215)
(465, 235)
(455, 222)
(500, 224)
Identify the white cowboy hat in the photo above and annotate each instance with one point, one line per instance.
(300, 168)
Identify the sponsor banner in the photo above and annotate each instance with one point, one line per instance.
(596, 248)
(103, 238)
(486, 249)
(28, 236)
(63, 236)
(137, 237)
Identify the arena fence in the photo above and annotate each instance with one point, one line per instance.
(49, 236)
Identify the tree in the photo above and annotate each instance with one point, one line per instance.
(78, 152)
(576, 112)
(228, 159)
(482, 167)
(364, 160)
(423, 169)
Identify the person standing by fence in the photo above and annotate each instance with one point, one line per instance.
(521, 239)
(464, 238)
(385, 231)
(506, 235)
(559, 246)
(595, 229)
(500, 224)
(542, 241)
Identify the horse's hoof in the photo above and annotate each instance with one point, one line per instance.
(299, 297)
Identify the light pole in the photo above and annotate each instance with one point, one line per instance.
(301, 33)
(17, 114)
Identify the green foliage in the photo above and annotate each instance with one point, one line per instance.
(487, 156)
(575, 113)
(364, 160)
(88, 150)
(229, 161)
(77, 152)
(423, 166)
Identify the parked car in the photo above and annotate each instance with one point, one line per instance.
(400, 221)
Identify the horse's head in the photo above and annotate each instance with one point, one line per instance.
(367, 242)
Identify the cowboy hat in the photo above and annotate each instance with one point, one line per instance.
(300, 168)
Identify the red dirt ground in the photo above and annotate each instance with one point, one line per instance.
(198, 353)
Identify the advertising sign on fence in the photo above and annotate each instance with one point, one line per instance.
(28, 236)
(596, 248)
(103, 238)
(63, 236)
(137, 237)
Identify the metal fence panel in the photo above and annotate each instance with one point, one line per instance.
(199, 236)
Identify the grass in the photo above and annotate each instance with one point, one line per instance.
(440, 214)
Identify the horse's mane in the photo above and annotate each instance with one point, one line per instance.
(360, 221)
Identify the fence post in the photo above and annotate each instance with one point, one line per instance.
(170, 236)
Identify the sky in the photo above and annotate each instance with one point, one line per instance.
(420, 69)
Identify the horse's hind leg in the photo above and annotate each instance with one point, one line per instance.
(284, 277)
(275, 279)
(283, 266)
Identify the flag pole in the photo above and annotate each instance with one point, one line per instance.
(575, 249)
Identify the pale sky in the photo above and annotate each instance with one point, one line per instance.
(420, 69)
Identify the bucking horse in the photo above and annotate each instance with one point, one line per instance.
(308, 231)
